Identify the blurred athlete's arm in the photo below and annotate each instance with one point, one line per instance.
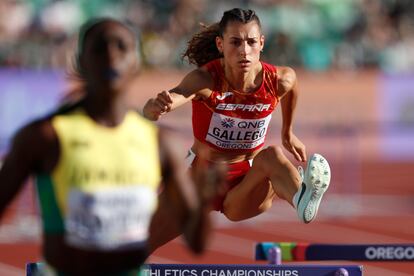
(31, 151)
(182, 193)
(288, 86)
(197, 83)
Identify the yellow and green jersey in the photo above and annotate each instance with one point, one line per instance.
(103, 191)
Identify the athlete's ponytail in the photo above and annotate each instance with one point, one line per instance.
(202, 46)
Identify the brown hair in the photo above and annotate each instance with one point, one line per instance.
(202, 46)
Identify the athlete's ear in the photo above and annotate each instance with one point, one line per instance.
(262, 40)
(219, 44)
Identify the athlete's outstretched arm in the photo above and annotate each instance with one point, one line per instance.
(183, 195)
(288, 86)
(25, 157)
(196, 83)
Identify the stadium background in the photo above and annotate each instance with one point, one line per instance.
(355, 63)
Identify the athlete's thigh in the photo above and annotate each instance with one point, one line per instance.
(251, 197)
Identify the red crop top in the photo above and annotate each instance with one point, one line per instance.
(230, 120)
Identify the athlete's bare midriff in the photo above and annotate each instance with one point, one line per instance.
(223, 156)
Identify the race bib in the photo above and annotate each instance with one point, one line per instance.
(235, 133)
(109, 219)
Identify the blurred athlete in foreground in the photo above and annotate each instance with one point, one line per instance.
(233, 96)
(98, 165)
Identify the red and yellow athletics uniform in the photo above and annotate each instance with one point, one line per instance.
(230, 120)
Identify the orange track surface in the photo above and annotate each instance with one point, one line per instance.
(234, 244)
(390, 221)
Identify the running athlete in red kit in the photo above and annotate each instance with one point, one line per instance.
(233, 121)
(233, 96)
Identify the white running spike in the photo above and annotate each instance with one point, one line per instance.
(316, 181)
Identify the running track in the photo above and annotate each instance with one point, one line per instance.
(234, 242)
(370, 202)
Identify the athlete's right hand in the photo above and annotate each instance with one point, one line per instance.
(158, 106)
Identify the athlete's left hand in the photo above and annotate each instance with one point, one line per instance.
(294, 146)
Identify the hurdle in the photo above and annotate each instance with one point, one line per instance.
(291, 251)
(234, 270)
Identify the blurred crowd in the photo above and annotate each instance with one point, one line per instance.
(313, 34)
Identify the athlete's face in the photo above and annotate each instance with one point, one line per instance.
(241, 45)
(109, 56)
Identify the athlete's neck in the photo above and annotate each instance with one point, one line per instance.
(107, 109)
(241, 81)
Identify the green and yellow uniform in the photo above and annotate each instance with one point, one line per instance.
(103, 191)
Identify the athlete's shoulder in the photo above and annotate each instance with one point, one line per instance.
(201, 74)
(214, 68)
(35, 138)
(35, 127)
(195, 82)
(64, 109)
(212, 64)
(41, 129)
(286, 71)
(286, 77)
(42, 126)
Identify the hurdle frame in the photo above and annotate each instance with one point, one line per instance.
(233, 270)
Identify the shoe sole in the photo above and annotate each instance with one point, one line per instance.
(317, 177)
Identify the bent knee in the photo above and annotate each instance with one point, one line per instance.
(231, 212)
(235, 213)
(266, 205)
(232, 216)
(270, 158)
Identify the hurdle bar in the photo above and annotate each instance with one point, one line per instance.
(235, 270)
(351, 252)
